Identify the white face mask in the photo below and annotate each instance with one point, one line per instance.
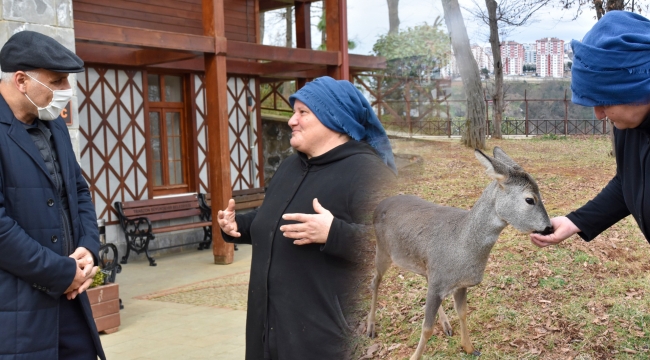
(60, 99)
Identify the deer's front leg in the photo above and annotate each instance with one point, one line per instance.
(460, 303)
(430, 309)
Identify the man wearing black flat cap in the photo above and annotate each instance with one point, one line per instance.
(49, 240)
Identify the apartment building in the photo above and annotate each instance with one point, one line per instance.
(530, 54)
(550, 57)
(512, 57)
(483, 57)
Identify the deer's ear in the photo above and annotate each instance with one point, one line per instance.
(503, 157)
(494, 168)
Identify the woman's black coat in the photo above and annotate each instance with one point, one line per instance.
(627, 193)
(306, 288)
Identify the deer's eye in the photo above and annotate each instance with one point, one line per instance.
(530, 201)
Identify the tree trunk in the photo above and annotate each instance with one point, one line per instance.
(323, 32)
(495, 43)
(600, 11)
(261, 23)
(615, 5)
(610, 126)
(474, 135)
(393, 16)
(288, 17)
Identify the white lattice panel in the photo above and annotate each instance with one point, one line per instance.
(242, 135)
(202, 133)
(111, 120)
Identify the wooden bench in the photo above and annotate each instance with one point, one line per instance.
(244, 199)
(136, 218)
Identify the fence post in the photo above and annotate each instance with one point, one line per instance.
(274, 88)
(487, 114)
(379, 99)
(526, 116)
(407, 97)
(566, 115)
(466, 119)
(448, 120)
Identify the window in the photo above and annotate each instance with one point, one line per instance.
(167, 124)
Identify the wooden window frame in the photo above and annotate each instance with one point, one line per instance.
(187, 135)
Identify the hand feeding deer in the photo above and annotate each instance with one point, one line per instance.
(451, 246)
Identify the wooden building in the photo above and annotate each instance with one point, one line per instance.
(169, 102)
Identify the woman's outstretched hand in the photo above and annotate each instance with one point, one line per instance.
(563, 228)
(226, 219)
(312, 228)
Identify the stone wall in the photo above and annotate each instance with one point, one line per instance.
(49, 17)
(275, 137)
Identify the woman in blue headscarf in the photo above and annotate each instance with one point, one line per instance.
(611, 73)
(308, 235)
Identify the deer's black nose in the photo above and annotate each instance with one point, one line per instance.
(547, 231)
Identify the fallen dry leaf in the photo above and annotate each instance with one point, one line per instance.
(371, 350)
(394, 346)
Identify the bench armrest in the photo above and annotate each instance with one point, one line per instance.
(136, 226)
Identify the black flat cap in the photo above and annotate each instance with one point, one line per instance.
(29, 50)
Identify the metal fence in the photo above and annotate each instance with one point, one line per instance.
(429, 110)
(432, 114)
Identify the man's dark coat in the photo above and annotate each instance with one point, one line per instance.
(34, 271)
(627, 193)
(307, 289)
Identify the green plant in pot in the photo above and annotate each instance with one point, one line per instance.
(99, 279)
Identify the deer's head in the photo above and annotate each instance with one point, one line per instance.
(517, 198)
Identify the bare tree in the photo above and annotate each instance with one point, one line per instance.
(603, 6)
(501, 17)
(495, 44)
(474, 135)
(393, 16)
(288, 20)
(261, 24)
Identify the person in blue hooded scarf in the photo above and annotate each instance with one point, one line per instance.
(308, 236)
(611, 73)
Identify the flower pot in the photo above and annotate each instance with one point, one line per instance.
(105, 304)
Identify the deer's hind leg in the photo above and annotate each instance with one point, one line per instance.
(430, 310)
(444, 321)
(382, 263)
(460, 303)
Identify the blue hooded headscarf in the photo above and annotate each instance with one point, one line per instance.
(342, 108)
(612, 63)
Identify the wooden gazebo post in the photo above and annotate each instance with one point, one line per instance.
(216, 90)
(336, 16)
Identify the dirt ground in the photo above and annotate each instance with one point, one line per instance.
(578, 300)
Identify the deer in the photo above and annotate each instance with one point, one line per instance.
(450, 246)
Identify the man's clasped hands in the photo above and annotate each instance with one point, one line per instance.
(86, 271)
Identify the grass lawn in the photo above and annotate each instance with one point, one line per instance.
(577, 300)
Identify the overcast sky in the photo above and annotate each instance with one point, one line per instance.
(367, 19)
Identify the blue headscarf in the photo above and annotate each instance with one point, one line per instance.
(342, 108)
(612, 63)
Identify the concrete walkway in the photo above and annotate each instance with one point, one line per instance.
(165, 330)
